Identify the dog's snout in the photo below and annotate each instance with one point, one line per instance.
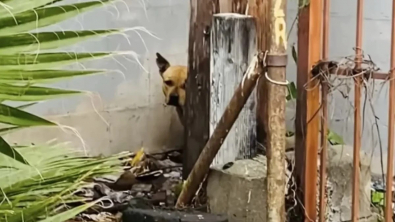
(173, 100)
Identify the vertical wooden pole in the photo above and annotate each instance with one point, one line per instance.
(233, 45)
(307, 119)
(198, 82)
(233, 6)
(260, 10)
(276, 74)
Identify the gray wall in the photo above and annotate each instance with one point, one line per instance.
(132, 104)
(131, 100)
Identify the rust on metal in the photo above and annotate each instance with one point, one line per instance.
(276, 130)
(307, 122)
(274, 60)
(374, 75)
(391, 118)
(324, 120)
(357, 115)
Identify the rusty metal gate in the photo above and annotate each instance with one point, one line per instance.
(313, 23)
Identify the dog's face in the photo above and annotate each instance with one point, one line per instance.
(174, 79)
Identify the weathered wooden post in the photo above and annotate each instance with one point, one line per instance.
(233, 45)
(240, 94)
(276, 67)
(198, 82)
(210, 150)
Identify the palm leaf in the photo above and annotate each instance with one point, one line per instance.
(17, 117)
(45, 75)
(45, 60)
(36, 180)
(32, 93)
(33, 19)
(27, 42)
(33, 192)
(15, 6)
(7, 150)
(61, 217)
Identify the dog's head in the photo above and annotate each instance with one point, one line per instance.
(174, 79)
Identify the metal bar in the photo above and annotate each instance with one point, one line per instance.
(391, 119)
(357, 115)
(324, 124)
(276, 112)
(307, 123)
(350, 72)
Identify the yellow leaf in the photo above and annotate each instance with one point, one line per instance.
(138, 157)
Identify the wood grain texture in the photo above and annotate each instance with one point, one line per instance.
(233, 45)
(307, 120)
(260, 10)
(210, 150)
(198, 82)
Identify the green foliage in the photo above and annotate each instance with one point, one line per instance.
(24, 63)
(37, 180)
(38, 191)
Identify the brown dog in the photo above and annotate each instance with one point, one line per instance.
(174, 79)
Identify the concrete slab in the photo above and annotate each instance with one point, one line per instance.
(340, 171)
(239, 191)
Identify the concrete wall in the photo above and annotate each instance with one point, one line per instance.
(130, 103)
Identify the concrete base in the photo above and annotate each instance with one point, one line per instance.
(340, 171)
(239, 191)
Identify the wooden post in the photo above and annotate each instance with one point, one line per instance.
(233, 45)
(276, 76)
(198, 82)
(307, 105)
(233, 6)
(260, 10)
(236, 104)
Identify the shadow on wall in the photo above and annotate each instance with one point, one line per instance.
(125, 111)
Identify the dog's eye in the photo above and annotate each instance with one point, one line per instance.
(169, 82)
(183, 86)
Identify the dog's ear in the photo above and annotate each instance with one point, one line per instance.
(162, 63)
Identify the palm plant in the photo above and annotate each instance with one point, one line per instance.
(35, 180)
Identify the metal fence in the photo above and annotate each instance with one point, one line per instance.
(313, 23)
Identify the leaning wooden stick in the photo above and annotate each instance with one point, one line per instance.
(222, 129)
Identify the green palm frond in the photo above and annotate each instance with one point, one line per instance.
(33, 192)
(36, 181)
(24, 61)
